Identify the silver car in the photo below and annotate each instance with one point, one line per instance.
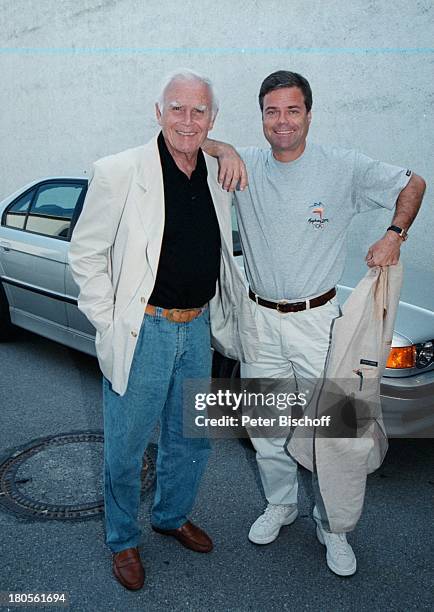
(37, 293)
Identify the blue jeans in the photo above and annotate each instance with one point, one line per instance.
(166, 353)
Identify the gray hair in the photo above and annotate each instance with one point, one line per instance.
(187, 75)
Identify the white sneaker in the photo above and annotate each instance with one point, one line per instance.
(340, 556)
(266, 527)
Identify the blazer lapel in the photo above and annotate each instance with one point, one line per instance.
(150, 192)
(148, 196)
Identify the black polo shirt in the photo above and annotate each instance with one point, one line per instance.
(190, 253)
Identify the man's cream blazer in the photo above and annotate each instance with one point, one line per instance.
(114, 256)
(349, 390)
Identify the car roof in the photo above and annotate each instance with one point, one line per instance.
(43, 179)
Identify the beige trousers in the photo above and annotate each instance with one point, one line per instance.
(292, 345)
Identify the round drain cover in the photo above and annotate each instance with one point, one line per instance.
(60, 477)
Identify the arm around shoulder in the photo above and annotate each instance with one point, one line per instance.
(232, 170)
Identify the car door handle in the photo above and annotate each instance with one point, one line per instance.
(5, 245)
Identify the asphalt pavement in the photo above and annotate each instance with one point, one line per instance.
(48, 389)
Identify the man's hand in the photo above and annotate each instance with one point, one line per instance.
(385, 252)
(232, 171)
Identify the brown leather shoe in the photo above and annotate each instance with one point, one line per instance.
(189, 536)
(128, 569)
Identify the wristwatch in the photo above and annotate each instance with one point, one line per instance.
(402, 233)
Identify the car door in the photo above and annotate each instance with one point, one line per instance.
(34, 244)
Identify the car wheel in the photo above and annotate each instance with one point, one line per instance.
(6, 328)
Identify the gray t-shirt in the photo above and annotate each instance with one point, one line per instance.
(293, 217)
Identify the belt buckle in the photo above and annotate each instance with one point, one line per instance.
(281, 303)
(182, 316)
(170, 314)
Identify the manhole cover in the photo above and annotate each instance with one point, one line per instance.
(60, 477)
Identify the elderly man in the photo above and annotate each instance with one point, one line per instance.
(293, 221)
(152, 241)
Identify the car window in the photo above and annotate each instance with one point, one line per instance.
(52, 210)
(16, 214)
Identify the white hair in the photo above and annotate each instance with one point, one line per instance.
(187, 75)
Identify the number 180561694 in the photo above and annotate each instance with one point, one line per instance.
(32, 598)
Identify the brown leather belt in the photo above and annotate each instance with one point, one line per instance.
(176, 315)
(284, 306)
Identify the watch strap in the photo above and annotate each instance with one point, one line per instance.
(402, 233)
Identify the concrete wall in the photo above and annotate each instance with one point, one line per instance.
(79, 79)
